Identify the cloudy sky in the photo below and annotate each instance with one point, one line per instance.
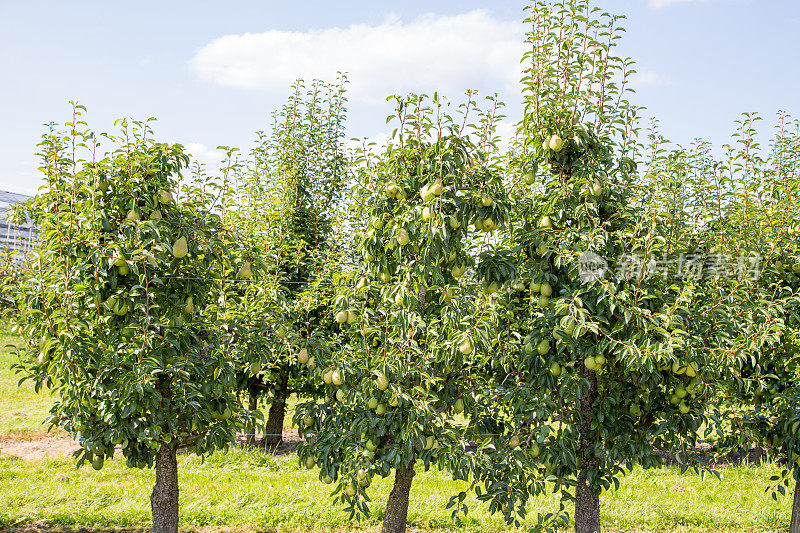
(211, 72)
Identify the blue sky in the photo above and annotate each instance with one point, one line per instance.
(211, 72)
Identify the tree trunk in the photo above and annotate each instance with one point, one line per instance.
(587, 507)
(164, 499)
(587, 502)
(273, 431)
(756, 452)
(252, 391)
(396, 515)
(795, 525)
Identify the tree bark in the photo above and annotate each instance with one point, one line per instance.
(252, 391)
(273, 431)
(587, 502)
(164, 499)
(587, 507)
(794, 527)
(756, 452)
(396, 515)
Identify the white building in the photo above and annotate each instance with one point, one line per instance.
(15, 240)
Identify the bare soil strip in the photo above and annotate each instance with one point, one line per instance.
(36, 447)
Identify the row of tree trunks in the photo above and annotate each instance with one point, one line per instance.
(273, 430)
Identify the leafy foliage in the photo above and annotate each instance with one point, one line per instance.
(118, 305)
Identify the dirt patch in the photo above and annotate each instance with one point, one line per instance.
(290, 440)
(44, 526)
(38, 447)
(49, 446)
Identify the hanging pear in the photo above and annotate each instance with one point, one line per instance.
(245, 272)
(180, 248)
(165, 197)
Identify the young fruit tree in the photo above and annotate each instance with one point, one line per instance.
(112, 305)
(284, 206)
(412, 341)
(607, 361)
(764, 217)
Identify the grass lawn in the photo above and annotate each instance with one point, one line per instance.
(249, 490)
(22, 410)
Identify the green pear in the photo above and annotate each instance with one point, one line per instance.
(165, 197)
(180, 248)
(597, 189)
(245, 272)
(458, 407)
(556, 144)
(543, 347)
(426, 193)
(120, 310)
(402, 237)
(302, 357)
(382, 382)
(546, 289)
(466, 347)
(119, 259)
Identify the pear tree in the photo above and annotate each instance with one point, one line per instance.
(756, 226)
(284, 203)
(400, 384)
(117, 302)
(606, 361)
(764, 218)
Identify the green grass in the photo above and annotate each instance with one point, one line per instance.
(250, 490)
(22, 410)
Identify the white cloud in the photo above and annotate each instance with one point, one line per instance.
(648, 78)
(659, 4)
(208, 157)
(446, 53)
(507, 131)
